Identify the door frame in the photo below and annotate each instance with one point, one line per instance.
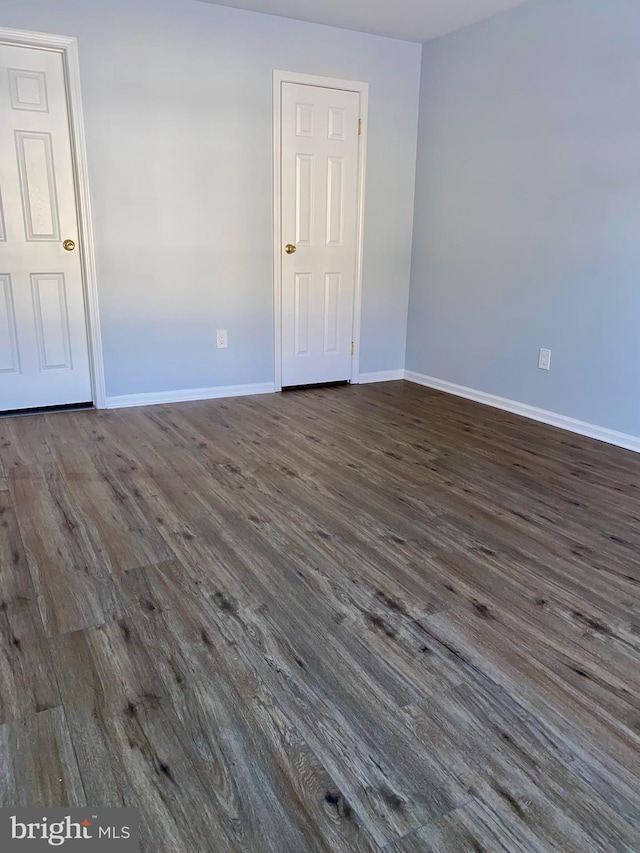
(67, 46)
(280, 77)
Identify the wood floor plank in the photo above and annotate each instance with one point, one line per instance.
(474, 828)
(22, 443)
(28, 683)
(66, 562)
(37, 763)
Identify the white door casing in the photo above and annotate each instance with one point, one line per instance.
(44, 346)
(319, 201)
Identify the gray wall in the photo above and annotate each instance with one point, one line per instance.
(177, 98)
(527, 220)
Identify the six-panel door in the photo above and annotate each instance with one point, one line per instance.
(319, 215)
(44, 358)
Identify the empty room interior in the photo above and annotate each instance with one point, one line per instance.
(320, 425)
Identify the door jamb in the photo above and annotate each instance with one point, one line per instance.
(67, 46)
(280, 77)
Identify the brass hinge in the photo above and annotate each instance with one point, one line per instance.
(353, 346)
(359, 127)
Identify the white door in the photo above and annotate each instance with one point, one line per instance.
(44, 357)
(319, 223)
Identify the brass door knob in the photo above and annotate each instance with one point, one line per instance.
(289, 248)
(69, 245)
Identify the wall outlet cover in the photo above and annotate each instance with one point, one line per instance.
(544, 359)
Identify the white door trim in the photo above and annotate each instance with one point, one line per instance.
(280, 77)
(68, 47)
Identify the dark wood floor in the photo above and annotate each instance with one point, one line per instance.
(355, 619)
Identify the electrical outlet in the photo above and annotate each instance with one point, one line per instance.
(221, 338)
(544, 359)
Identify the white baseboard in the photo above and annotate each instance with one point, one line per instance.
(610, 436)
(188, 395)
(382, 376)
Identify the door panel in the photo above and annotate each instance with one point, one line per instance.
(335, 201)
(44, 358)
(8, 340)
(331, 311)
(52, 321)
(37, 186)
(304, 199)
(28, 90)
(319, 217)
(302, 313)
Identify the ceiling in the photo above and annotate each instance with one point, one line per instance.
(412, 20)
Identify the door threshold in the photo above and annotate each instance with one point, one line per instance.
(313, 385)
(47, 410)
